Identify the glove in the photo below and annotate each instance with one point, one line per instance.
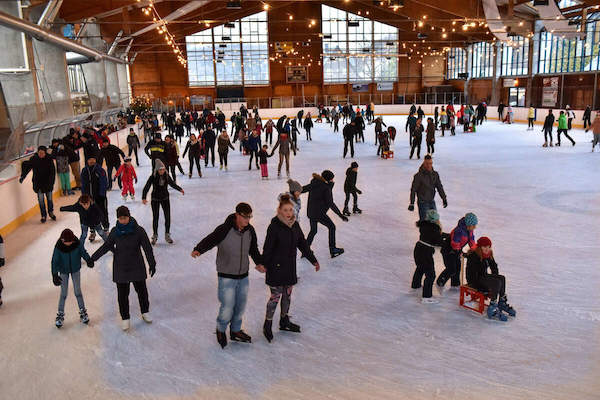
(56, 280)
(358, 191)
(152, 270)
(115, 179)
(135, 180)
(344, 218)
(445, 203)
(90, 264)
(411, 207)
(20, 180)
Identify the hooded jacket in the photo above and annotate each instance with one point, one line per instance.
(133, 141)
(350, 183)
(94, 181)
(280, 250)
(91, 217)
(425, 184)
(233, 248)
(111, 154)
(223, 144)
(67, 259)
(127, 242)
(159, 184)
(477, 268)
(44, 172)
(460, 236)
(320, 197)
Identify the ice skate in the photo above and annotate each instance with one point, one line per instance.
(346, 212)
(240, 336)
(92, 236)
(52, 216)
(493, 312)
(132, 197)
(545, 144)
(357, 210)
(286, 325)
(124, 197)
(125, 325)
(335, 251)
(153, 240)
(220, 167)
(504, 306)
(222, 339)
(83, 316)
(60, 319)
(429, 300)
(168, 238)
(267, 330)
(147, 318)
(43, 220)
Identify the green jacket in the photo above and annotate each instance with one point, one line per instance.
(67, 259)
(562, 121)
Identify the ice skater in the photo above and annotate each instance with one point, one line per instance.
(126, 173)
(223, 146)
(564, 128)
(460, 236)
(44, 175)
(90, 217)
(351, 189)
(263, 156)
(284, 237)
(193, 149)
(417, 137)
(424, 186)
(285, 145)
(547, 128)
(596, 130)
(430, 138)
(236, 241)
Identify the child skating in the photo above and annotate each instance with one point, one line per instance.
(351, 189)
(128, 177)
(263, 154)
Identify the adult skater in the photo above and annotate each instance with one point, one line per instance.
(378, 129)
(44, 175)
(570, 115)
(90, 217)
(417, 138)
(424, 185)
(430, 137)
(479, 261)
(460, 236)
(308, 125)
(359, 129)
(501, 107)
(66, 262)
(172, 154)
(548, 123)
(336, 122)
(209, 139)
(160, 181)
(254, 145)
(351, 189)
(284, 145)
(430, 236)
(563, 127)
(193, 149)
(133, 144)
(269, 131)
(530, 117)
(284, 237)
(156, 149)
(443, 120)
(411, 123)
(127, 240)
(95, 183)
(587, 118)
(112, 155)
(320, 200)
(349, 133)
(223, 146)
(596, 130)
(235, 240)
(420, 113)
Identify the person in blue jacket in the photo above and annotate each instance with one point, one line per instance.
(253, 147)
(95, 183)
(66, 261)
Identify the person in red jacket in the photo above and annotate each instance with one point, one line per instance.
(128, 176)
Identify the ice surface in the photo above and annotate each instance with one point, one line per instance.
(365, 334)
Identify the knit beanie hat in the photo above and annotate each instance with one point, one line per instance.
(470, 219)
(327, 175)
(123, 211)
(432, 216)
(484, 241)
(354, 164)
(295, 186)
(158, 165)
(68, 236)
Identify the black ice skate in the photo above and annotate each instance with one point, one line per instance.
(60, 319)
(356, 210)
(335, 251)
(286, 325)
(267, 331)
(222, 339)
(346, 212)
(92, 236)
(240, 336)
(83, 316)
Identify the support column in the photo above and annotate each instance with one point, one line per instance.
(497, 71)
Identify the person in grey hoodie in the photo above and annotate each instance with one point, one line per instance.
(424, 185)
(235, 240)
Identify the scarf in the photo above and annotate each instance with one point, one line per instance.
(288, 223)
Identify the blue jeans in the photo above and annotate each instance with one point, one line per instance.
(233, 294)
(425, 206)
(97, 228)
(42, 204)
(64, 288)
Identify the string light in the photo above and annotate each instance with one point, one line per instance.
(163, 30)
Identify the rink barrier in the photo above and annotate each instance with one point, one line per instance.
(20, 203)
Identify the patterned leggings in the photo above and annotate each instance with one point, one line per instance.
(279, 292)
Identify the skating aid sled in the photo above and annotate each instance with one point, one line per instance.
(470, 298)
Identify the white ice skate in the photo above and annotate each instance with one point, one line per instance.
(147, 318)
(132, 198)
(125, 325)
(124, 197)
(429, 300)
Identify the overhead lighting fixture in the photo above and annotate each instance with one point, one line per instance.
(395, 4)
(421, 36)
(234, 5)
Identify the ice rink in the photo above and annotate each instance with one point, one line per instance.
(365, 334)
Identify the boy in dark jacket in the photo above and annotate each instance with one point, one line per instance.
(320, 200)
(90, 217)
(112, 155)
(253, 146)
(235, 240)
(66, 261)
(478, 262)
(95, 183)
(44, 175)
(209, 139)
(351, 189)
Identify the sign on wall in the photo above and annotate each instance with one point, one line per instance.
(297, 74)
(385, 86)
(509, 82)
(550, 92)
(360, 87)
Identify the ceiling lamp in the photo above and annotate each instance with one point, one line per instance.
(234, 5)
(395, 3)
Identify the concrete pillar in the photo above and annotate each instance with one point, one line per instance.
(469, 54)
(497, 63)
(112, 83)
(123, 84)
(95, 72)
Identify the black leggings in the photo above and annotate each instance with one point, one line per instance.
(123, 297)
(253, 154)
(530, 123)
(223, 159)
(548, 132)
(166, 206)
(134, 150)
(566, 134)
(493, 284)
(424, 260)
(195, 159)
(348, 142)
(269, 137)
(416, 144)
(355, 198)
(452, 271)
(324, 220)
(211, 150)
(430, 148)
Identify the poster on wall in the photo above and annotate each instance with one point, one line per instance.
(550, 92)
(385, 86)
(297, 74)
(360, 87)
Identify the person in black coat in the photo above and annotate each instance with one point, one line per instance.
(430, 235)
(547, 128)
(90, 147)
(156, 150)
(194, 147)
(349, 132)
(351, 189)
(320, 200)
(160, 181)
(90, 217)
(308, 124)
(112, 155)
(95, 183)
(360, 128)
(127, 240)
(133, 144)
(284, 236)
(44, 175)
(417, 137)
(209, 139)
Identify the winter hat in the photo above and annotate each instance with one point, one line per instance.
(68, 236)
(123, 211)
(432, 216)
(327, 175)
(471, 219)
(354, 164)
(484, 241)
(295, 186)
(158, 165)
